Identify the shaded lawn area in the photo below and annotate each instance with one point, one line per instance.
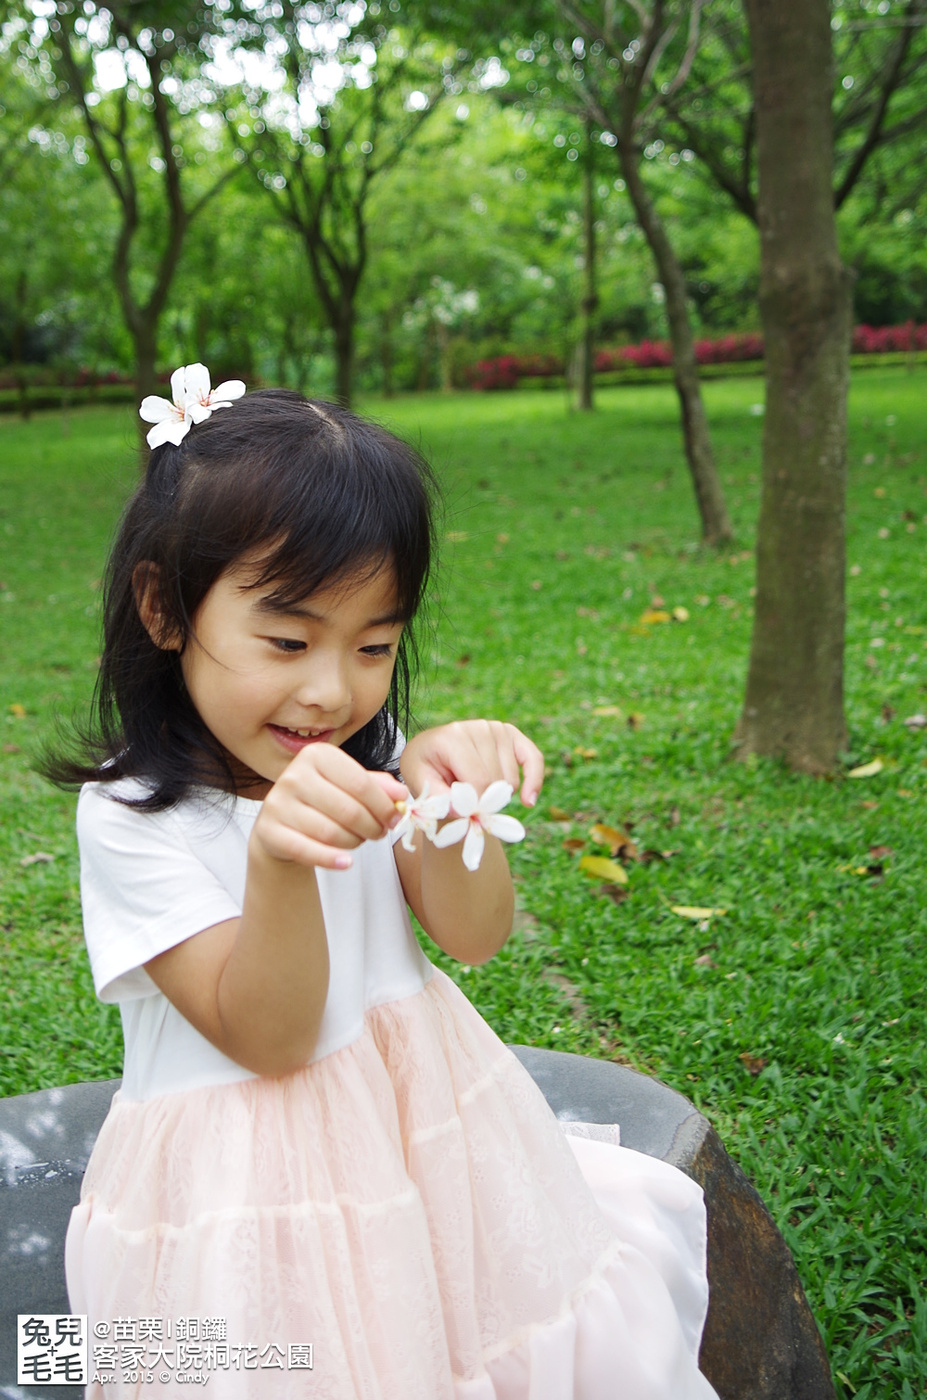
(794, 1019)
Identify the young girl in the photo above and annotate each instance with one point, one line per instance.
(324, 1175)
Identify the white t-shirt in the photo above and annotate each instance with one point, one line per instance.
(151, 880)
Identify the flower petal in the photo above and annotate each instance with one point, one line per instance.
(473, 846)
(454, 831)
(506, 828)
(178, 393)
(199, 412)
(171, 430)
(228, 389)
(463, 799)
(196, 383)
(496, 796)
(155, 410)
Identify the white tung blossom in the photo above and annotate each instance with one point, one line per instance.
(193, 402)
(476, 816)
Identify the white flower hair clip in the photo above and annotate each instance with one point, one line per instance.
(474, 817)
(193, 402)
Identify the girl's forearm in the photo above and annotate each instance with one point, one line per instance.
(467, 913)
(272, 990)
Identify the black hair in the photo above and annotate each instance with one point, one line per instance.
(326, 496)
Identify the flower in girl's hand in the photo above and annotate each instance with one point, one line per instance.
(193, 402)
(476, 816)
(420, 813)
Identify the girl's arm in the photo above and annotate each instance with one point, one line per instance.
(256, 986)
(467, 913)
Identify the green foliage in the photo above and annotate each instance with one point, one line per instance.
(560, 531)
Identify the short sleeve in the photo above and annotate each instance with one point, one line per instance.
(144, 889)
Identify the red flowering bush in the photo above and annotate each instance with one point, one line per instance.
(504, 371)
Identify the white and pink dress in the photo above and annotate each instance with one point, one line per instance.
(406, 1203)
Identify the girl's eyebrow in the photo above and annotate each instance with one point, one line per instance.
(275, 609)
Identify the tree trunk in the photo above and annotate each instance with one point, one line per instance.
(344, 354)
(716, 525)
(794, 700)
(386, 353)
(590, 301)
(145, 338)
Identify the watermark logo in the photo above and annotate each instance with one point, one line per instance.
(51, 1349)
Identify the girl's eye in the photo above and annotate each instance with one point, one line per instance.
(384, 649)
(287, 644)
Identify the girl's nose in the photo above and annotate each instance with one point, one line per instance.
(325, 685)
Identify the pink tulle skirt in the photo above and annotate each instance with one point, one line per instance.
(409, 1207)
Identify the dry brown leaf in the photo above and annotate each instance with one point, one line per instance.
(585, 753)
(11, 748)
(38, 858)
(881, 852)
(616, 893)
(705, 960)
(609, 836)
(752, 1063)
(17, 710)
(635, 720)
(573, 844)
(602, 868)
(557, 814)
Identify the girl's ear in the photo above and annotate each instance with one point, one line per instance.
(146, 585)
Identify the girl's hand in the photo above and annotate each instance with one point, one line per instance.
(324, 805)
(477, 751)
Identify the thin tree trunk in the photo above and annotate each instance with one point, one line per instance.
(344, 357)
(716, 525)
(794, 698)
(590, 301)
(386, 353)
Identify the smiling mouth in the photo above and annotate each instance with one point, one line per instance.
(298, 738)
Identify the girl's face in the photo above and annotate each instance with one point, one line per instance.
(268, 681)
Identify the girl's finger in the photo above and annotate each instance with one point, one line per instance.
(532, 764)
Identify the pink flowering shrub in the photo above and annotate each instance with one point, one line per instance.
(504, 371)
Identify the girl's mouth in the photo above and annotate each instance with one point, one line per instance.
(295, 739)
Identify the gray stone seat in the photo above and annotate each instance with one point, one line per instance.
(761, 1341)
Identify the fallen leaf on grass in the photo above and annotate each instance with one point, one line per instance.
(695, 911)
(557, 814)
(867, 770)
(585, 753)
(680, 614)
(652, 616)
(616, 893)
(635, 720)
(607, 711)
(881, 852)
(11, 748)
(610, 836)
(18, 711)
(705, 960)
(601, 868)
(752, 1063)
(574, 844)
(38, 858)
(915, 722)
(646, 857)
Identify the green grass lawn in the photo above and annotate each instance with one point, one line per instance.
(561, 530)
